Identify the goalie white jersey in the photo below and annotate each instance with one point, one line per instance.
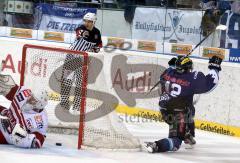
(34, 123)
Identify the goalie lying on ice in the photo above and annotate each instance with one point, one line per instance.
(24, 123)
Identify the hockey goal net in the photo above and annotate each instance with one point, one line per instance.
(97, 124)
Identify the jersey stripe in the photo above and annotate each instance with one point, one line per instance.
(19, 114)
(12, 92)
(82, 45)
(79, 45)
(15, 113)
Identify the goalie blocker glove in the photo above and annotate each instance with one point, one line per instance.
(215, 63)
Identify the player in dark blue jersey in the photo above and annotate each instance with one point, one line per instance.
(179, 85)
(190, 126)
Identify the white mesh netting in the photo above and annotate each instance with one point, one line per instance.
(46, 70)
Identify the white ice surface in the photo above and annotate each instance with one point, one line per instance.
(210, 148)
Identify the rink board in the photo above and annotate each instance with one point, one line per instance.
(217, 111)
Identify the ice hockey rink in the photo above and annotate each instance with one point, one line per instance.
(117, 74)
(210, 148)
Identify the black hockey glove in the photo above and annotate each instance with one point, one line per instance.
(163, 100)
(172, 62)
(215, 63)
(96, 49)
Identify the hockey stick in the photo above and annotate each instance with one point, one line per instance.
(219, 27)
(153, 87)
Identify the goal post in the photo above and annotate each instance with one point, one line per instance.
(84, 76)
(44, 67)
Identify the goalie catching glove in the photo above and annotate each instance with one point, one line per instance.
(215, 63)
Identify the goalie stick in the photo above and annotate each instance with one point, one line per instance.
(219, 27)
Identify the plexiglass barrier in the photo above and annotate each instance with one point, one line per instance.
(151, 25)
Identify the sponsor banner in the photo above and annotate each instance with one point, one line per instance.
(116, 42)
(209, 52)
(20, 32)
(181, 49)
(234, 55)
(156, 116)
(54, 36)
(170, 25)
(217, 128)
(147, 46)
(58, 18)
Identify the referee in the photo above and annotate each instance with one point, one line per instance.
(88, 39)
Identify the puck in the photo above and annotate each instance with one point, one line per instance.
(58, 144)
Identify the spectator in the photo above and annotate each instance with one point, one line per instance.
(223, 5)
(1, 13)
(156, 3)
(220, 5)
(235, 7)
(196, 4)
(214, 10)
(184, 3)
(130, 6)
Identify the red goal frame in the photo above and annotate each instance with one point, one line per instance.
(84, 84)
